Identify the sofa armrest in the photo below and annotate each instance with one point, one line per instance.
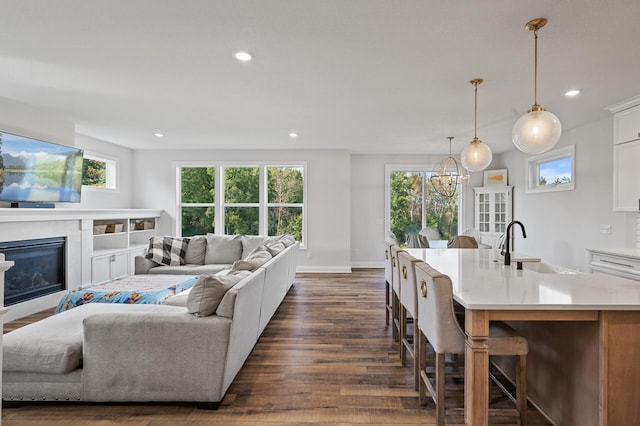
(143, 265)
(134, 357)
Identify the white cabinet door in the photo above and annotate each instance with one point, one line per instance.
(626, 125)
(626, 176)
(109, 267)
(493, 211)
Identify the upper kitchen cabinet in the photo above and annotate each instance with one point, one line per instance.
(626, 155)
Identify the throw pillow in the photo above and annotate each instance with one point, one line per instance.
(287, 240)
(222, 249)
(275, 248)
(167, 250)
(250, 242)
(258, 257)
(195, 250)
(207, 293)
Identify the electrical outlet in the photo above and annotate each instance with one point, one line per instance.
(605, 229)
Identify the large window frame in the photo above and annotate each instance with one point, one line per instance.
(219, 204)
(423, 168)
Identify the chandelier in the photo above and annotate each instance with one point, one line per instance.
(448, 176)
(538, 130)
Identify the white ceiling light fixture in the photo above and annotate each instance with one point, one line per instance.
(538, 130)
(477, 155)
(572, 93)
(158, 135)
(243, 56)
(293, 134)
(448, 177)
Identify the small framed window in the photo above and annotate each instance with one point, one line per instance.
(99, 172)
(552, 171)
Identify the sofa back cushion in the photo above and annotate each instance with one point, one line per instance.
(223, 248)
(195, 250)
(250, 242)
(208, 291)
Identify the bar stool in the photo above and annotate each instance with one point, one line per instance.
(395, 294)
(409, 344)
(437, 322)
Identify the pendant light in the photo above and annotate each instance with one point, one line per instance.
(448, 176)
(538, 130)
(477, 155)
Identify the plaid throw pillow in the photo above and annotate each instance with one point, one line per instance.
(167, 250)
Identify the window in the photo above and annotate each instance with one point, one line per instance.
(241, 199)
(98, 172)
(412, 205)
(551, 171)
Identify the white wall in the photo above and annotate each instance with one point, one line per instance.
(368, 203)
(328, 196)
(98, 198)
(562, 225)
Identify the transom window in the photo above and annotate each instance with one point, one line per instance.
(99, 171)
(242, 199)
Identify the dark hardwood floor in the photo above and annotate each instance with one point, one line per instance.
(326, 357)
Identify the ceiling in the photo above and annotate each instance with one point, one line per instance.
(368, 76)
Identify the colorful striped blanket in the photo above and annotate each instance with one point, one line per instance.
(132, 289)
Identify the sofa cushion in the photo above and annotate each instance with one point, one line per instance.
(275, 248)
(250, 242)
(223, 249)
(196, 250)
(167, 250)
(208, 291)
(258, 257)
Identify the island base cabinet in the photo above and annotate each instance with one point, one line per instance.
(620, 375)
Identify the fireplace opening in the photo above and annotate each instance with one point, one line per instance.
(39, 268)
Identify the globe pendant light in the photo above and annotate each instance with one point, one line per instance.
(448, 177)
(538, 130)
(477, 155)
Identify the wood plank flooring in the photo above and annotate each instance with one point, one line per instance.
(326, 357)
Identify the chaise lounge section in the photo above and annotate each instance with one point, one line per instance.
(102, 352)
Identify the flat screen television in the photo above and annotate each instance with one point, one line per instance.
(36, 171)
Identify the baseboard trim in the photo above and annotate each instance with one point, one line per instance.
(324, 269)
(367, 265)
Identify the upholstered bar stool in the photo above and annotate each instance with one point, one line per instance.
(409, 344)
(395, 295)
(387, 280)
(437, 322)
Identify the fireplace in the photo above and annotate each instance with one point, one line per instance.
(39, 268)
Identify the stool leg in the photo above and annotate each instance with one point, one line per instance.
(395, 318)
(521, 388)
(386, 302)
(417, 349)
(439, 389)
(403, 335)
(422, 363)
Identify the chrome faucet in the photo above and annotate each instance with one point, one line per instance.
(507, 254)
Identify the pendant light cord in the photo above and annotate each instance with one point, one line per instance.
(475, 114)
(535, 74)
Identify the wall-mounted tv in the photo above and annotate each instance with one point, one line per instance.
(36, 171)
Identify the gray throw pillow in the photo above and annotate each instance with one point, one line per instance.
(275, 248)
(287, 240)
(207, 293)
(167, 250)
(258, 257)
(250, 242)
(195, 250)
(224, 249)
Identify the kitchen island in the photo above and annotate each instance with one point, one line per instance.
(583, 332)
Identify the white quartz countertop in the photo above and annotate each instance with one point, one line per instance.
(482, 281)
(626, 252)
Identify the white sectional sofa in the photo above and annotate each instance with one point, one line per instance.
(102, 352)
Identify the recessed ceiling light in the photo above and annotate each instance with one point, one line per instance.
(158, 135)
(572, 93)
(293, 134)
(243, 55)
